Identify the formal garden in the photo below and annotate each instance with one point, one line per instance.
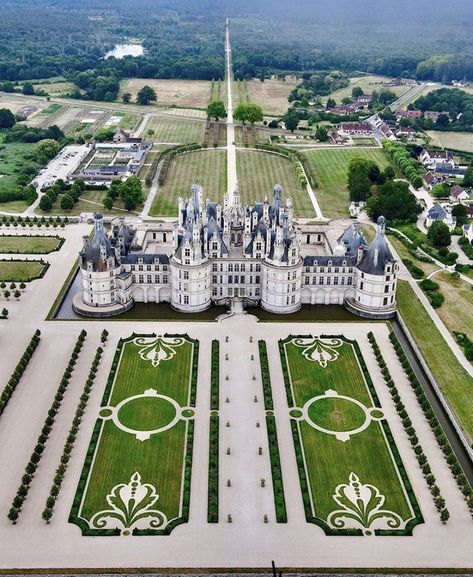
(352, 477)
(29, 244)
(136, 476)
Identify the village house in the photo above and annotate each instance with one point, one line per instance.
(458, 194)
(436, 158)
(407, 131)
(411, 114)
(442, 213)
(356, 128)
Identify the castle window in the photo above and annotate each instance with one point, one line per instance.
(385, 301)
(242, 268)
(293, 286)
(386, 289)
(350, 281)
(314, 280)
(343, 280)
(186, 299)
(258, 246)
(133, 278)
(307, 269)
(165, 267)
(230, 267)
(322, 269)
(258, 268)
(257, 280)
(187, 252)
(242, 279)
(237, 267)
(187, 261)
(156, 278)
(287, 300)
(148, 267)
(335, 280)
(214, 279)
(294, 274)
(149, 279)
(214, 291)
(257, 292)
(214, 267)
(293, 299)
(306, 280)
(350, 270)
(388, 278)
(230, 278)
(140, 267)
(329, 280)
(251, 267)
(186, 275)
(141, 278)
(321, 280)
(165, 279)
(336, 269)
(289, 275)
(361, 286)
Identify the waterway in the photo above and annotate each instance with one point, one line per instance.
(121, 50)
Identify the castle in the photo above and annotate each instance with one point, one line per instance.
(224, 255)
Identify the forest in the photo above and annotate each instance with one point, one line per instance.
(184, 38)
(457, 103)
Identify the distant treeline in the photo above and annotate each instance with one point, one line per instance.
(184, 38)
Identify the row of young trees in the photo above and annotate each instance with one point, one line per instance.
(38, 450)
(421, 457)
(72, 435)
(130, 191)
(13, 381)
(434, 424)
(408, 165)
(70, 195)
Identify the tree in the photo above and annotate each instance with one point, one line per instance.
(362, 174)
(126, 98)
(108, 202)
(131, 192)
(389, 173)
(440, 191)
(67, 202)
(394, 201)
(461, 214)
(45, 203)
(468, 178)
(357, 91)
(331, 103)
(7, 118)
(321, 134)
(439, 234)
(47, 148)
(5, 313)
(216, 109)
(28, 89)
(291, 122)
(254, 113)
(145, 95)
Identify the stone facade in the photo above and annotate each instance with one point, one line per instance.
(254, 255)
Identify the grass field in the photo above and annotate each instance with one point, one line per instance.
(175, 130)
(455, 140)
(455, 383)
(330, 167)
(28, 244)
(142, 431)
(403, 253)
(368, 84)
(457, 309)
(259, 172)
(342, 432)
(13, 156)
(180, 93)
(205, 167)
(272, 94)
(20, 271)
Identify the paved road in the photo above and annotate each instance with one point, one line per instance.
(232, 179)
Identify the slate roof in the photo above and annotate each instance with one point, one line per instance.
(437, 212)
(378, 254)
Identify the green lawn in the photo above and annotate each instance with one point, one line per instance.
(329, 461)
(175, 130)
(20, 271)
(205, 167)
(28, 244)
(13, 157)
(330, 168)
(159, 459)
(258, 173)
(452, 378)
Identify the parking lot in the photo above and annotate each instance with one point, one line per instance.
(61, 165)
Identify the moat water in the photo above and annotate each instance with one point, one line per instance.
(164, 312)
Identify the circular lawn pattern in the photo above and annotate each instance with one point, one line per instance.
(147, 414)
(336, 414)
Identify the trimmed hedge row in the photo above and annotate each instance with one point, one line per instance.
(437, 430)
(265, 378)
(278, 487)
(71, 438)
(38, 451)
(215, 376)
(35, 221)
(439, 501)
(212, 503)
(18, 371)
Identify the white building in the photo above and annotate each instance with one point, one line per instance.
(253, 255)
(442, 213)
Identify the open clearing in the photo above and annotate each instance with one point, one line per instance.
(174, 130)
(330, 168)
(343, 440)
(259, 172)
(454, 140)
(457, 310)
(143, 440)
(455, 382)
(13, 157)
(368, 84)
(28, 244)
(271, 94)
(205, 167)
(180, 93)
(19, 271)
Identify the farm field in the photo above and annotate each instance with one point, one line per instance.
(454, 140)
(179, 93)
(28, 244)
(259, 172)
(271, 94)
(142, 441)
(368, 84)
(19, 271)
(205, 167)
(343, 442)
(55, 88)
(330, 167)
(451, 377)
(174, 130)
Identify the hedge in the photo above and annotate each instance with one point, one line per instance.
(212, 504)
(276, 473)
(265, 377)
(215, 376)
